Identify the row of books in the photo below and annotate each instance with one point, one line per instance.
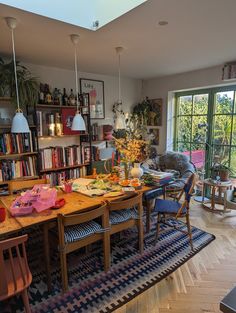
(54, 157)
(57, 178)
(13, 169)
(17, 143)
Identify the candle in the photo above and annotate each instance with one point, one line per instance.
(112, 159)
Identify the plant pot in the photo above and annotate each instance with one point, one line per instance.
(136, 171)
(224, 174)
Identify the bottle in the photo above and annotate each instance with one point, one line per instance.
(60, 97)
(48, 95)
(58, 124)
(55, 97)
(51, 125)
(64, 97)
(41, 94)
(71, 98)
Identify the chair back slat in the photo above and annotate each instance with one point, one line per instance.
(16, 185)
(74, 219)
(12, 249)
(126, 203)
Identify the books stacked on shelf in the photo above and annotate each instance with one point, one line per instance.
(56, 178)
(57, 157)
(17, 143)
(13, 169)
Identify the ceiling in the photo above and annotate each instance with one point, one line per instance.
(200, 34)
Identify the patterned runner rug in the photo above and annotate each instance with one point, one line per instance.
(92, 290)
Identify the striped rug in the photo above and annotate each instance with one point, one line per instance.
(92, 290)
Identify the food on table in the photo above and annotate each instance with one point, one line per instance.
(125, 183)
(135, 182)
(148, 179)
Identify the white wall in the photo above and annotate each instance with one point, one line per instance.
(165, 87)
(62, 78)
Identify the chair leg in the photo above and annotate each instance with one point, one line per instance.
(157, 227)
(47, 256)
(106, 251)
(25, 299)
(148, 214)
(189, 230)
(140, 235)
(64, 275)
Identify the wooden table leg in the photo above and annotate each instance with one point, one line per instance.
(46, 248)
(148, 215)
(213, 198)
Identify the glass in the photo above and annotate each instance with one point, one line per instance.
(221, 154)
(200, 104)
(198, 155)
(222, 129)
(224, 102)
(184, 128)
(185, 105)
(234, 131)
(199, 129)
(233, 160)
(184, 147)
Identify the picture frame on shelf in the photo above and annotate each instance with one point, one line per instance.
(154, 136)
(155, 113)
(95, 89)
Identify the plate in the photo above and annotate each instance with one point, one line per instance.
(113, 194)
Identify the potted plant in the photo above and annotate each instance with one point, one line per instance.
(221, 170)
(28, 85)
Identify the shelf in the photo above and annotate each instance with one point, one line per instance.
(9, 126)
(59, 106)
(55, 169)
(18, 179)
(5, 156)
(61, 136)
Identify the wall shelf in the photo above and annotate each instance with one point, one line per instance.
(15, 155)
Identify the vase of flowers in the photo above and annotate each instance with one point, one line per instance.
(136, 171)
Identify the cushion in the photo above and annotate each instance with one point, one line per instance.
(152, 194)
(117, 217)
(80, 231)
(168, 206)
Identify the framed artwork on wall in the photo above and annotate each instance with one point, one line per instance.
(95, 89)
(155, 113)
(67, 115)
(154, 136)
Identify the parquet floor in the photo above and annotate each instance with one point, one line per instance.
(200, 284)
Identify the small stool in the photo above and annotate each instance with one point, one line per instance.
(228, 304)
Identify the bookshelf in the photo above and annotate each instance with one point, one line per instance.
(63, 153)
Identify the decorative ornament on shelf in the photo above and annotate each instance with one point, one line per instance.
(78, 121)
(19, 121)
(119, 117)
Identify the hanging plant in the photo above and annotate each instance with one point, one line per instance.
(28, 86)
(141, 110)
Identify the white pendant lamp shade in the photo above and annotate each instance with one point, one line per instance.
(19, 122)
(78, 121)
(120, 122)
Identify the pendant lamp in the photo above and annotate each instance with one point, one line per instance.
(120, 118)
(19, 122)
(78, 121)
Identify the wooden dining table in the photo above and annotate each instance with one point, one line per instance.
(74, 202)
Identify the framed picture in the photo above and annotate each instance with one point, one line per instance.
(67, 115)
(154, 136)
(95, 89)
(155, 113)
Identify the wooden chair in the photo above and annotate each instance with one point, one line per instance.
(80, 230)
(176, 209)
(19, 185)
(14, 271)
(126, 214)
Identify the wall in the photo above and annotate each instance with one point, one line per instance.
(165, 87)
(62, 78)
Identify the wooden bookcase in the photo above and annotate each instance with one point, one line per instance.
(12, 156)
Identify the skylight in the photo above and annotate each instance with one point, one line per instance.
(91, 14)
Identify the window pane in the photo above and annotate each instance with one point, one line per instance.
(222, 129)
(184, 147)
(224, 102)
(198, 155)
(199, 129)
(221, 154)
(234, 131)
(200, 104)
(185, 105)
(184, 128)
(233, 161)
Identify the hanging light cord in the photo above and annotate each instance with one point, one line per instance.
(76, 81)
(119, 90)
(14, 60)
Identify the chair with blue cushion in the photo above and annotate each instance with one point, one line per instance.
(79, 230)
(125, 214)
(175, 208)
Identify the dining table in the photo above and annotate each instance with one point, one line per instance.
(75, 202)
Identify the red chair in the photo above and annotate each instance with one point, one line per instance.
(14, 270)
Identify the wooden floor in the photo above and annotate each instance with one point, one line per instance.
(200, 284)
